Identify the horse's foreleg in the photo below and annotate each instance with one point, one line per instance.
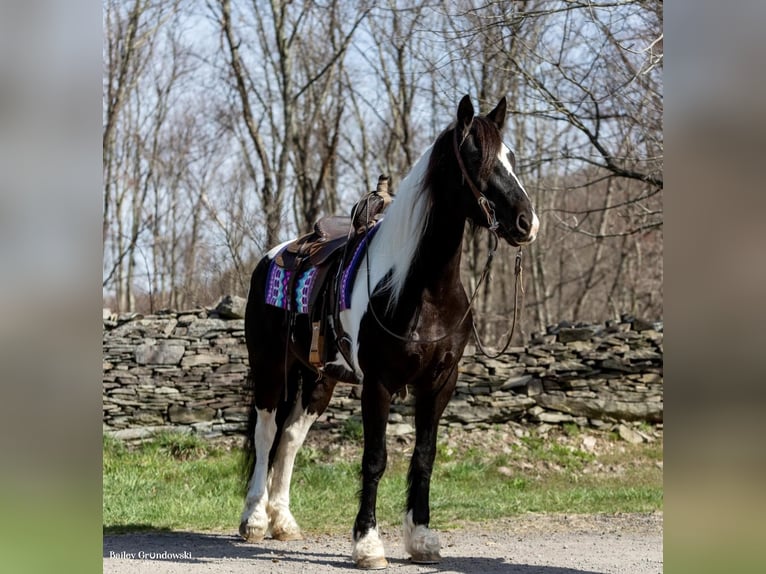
(420, 542)
(304, 413)
(368, 549)
(255, 522)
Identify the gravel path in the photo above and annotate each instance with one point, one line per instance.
(544, 544)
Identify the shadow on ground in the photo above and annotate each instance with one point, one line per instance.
(204, 548)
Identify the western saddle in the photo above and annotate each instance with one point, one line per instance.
(327, 248)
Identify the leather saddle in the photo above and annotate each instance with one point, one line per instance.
(330, 235)
(333, 239)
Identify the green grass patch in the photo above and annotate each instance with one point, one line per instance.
(182, 482)
(173, 482)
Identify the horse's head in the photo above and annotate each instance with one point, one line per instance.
(492, 190)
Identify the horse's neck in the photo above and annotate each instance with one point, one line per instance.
(420, 239)
(439, 253)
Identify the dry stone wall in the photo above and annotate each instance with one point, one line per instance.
(187, 371)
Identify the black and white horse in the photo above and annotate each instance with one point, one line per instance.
(408, 285)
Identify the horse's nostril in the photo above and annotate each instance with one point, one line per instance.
(523, 223)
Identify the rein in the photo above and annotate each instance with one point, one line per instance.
(518, 287)
(484, 275)
(489, 213)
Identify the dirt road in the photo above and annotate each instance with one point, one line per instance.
(624, 544)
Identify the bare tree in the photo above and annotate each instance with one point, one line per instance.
(130, 127)
(229, 126)
(288, 95)
(584, 80)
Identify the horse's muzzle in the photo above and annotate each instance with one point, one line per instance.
(524, 230)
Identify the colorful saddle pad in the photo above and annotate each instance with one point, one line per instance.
(280, 279)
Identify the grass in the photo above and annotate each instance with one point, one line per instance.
(352, 429)
(173, 482)
(183, 482)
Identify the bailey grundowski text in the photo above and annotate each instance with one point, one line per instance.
(164, 555)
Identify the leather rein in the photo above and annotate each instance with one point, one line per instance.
(518, 289)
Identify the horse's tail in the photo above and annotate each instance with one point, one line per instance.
(248, 448)
(274, 378)
(267, 383)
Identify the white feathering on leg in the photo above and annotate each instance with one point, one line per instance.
(420, 542)
(368, 552)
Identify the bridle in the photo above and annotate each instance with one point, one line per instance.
(489, 213)
(481, 199)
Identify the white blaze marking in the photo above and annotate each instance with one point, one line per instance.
(502, 157)
(535, 226)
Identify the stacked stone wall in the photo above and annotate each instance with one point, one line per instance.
(188, 371)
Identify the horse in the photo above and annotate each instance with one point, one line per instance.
(407, 327)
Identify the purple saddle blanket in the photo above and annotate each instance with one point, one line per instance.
(280, 279)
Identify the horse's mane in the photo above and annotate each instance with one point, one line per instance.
(395, 245)
(404, 225)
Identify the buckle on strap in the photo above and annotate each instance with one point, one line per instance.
(489, 213)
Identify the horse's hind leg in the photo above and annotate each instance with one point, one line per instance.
(314, 399)
(268, 409)
(420, 542)
(255, 522)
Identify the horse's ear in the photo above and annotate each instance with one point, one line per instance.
(465, 114)
(497, 116)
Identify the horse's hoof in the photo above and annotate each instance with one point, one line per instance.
(421, 543)
(372, 563)
(287, 535)
(251, 533)
(427, 558)
(368, 552)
